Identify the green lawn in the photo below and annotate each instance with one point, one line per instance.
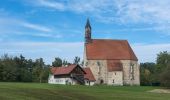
(35, 91)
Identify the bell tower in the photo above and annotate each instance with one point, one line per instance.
(88, 32)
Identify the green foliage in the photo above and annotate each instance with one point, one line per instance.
(8, 72)
(158, 73)
(163, 68)
(165, 77)
(147, 73)
(76, 60)
(65, 63)
(57, 62)
(19, 69)
(163, 59)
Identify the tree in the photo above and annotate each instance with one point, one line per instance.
(65, 63)
(8, 69)
(45, 74)
(38, 70)
(1, 70)
(19, 69)
(147, 73)
(163, 68)
(76, 60)
(163, 58)
(57, 62)
(165, 77)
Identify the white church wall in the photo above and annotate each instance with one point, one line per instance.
(115, 78)
(131, 74)
(107, 77)
(99, 69)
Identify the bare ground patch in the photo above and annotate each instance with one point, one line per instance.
(160, 91)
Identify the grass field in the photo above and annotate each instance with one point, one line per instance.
(35, 91)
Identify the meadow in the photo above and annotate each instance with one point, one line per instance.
(43, 91)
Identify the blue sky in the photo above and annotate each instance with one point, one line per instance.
(51, 28)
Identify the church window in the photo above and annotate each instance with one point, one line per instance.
(132, 71)
(98, 63)
(99, 67)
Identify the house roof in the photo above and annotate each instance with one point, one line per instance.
(102, 49)
(89, 74)
(63, 70)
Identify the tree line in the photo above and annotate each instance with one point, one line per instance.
(20, 69)
(155, 74)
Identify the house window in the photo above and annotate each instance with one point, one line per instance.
(58, 80)
(113, 81)
(115, 73)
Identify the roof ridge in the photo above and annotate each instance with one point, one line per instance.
(111, 39)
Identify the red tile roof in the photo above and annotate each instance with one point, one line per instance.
(89, 74)
(63, 70)
(114, 65)
(101, 49)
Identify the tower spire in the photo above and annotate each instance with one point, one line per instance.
(87, 31)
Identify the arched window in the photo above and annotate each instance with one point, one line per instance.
(99, 67)
(132, 71)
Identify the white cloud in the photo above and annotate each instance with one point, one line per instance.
(148, 52)
(46, 50)
(133, 10)
(48, 35)
(68, 50)
(12, 26)
(155, 13)
(36, 27)
(7, 23)
(74, 5)
(51, 4)
(152, 11)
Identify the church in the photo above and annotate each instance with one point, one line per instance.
(112, 62)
